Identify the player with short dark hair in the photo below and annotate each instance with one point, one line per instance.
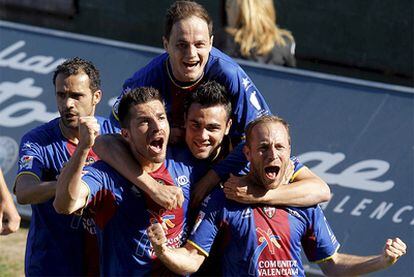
(266, 240)
(56, 243)
(121, 211)
(191, 60)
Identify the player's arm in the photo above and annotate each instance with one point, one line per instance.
(183, 261)
(307, 189)
(113, 150)
(351, 265)
(9, 217)
(30, 190)
(28, 186)
(71, 192)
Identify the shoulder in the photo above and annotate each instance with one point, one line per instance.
(102, 174)
(107, 127)
(180, 154)
(308, 214)
(216, 198)
(221, 65)
(148, 73)
(44, 133)
(101, 168)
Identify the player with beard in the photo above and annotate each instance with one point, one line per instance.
(266, 240)
(56, 243)
(191, 60)
(122, 212)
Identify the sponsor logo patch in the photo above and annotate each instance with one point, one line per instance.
(26, 162)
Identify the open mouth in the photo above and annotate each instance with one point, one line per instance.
(271, 171)
(157, 144)
(201, 145)
(191, 65)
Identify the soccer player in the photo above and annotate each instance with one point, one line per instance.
(189, 61)
(266, 240)
(9, 217)
(56, 243)
(121, 211)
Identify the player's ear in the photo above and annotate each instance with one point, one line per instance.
(125, 134)
(228, 126)
(96, 97)
(246, 151)
(165, 43)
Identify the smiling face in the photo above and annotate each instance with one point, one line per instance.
(147, 134)
(268, 153)
(188, 46)
(205, 129)
(75, 99)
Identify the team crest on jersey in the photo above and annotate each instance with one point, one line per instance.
(269, 211)
(26, 162)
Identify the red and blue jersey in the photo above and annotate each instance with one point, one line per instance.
(122, 213)
(55, 243)
(262, 240)
(247, 101)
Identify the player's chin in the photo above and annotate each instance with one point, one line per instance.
(71, 123)
(158, 158)
(200, 154)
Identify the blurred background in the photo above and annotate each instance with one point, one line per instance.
(365, 39)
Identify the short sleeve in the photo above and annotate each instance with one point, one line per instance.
(208, 222)
(319, 243)
(31, 157)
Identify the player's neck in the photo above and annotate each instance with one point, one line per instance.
(151, 167)
(70, 134)
(146, 165)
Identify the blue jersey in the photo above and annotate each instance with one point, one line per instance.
(55, 243)
(262, 240)
(247, 101)
(122, 214)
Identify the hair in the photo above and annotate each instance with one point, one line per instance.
(256, 27)
(262, 120)
(134, 97)
(182, 10)
(78, 65)
(210, 94)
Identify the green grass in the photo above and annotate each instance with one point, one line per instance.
(12, 248)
